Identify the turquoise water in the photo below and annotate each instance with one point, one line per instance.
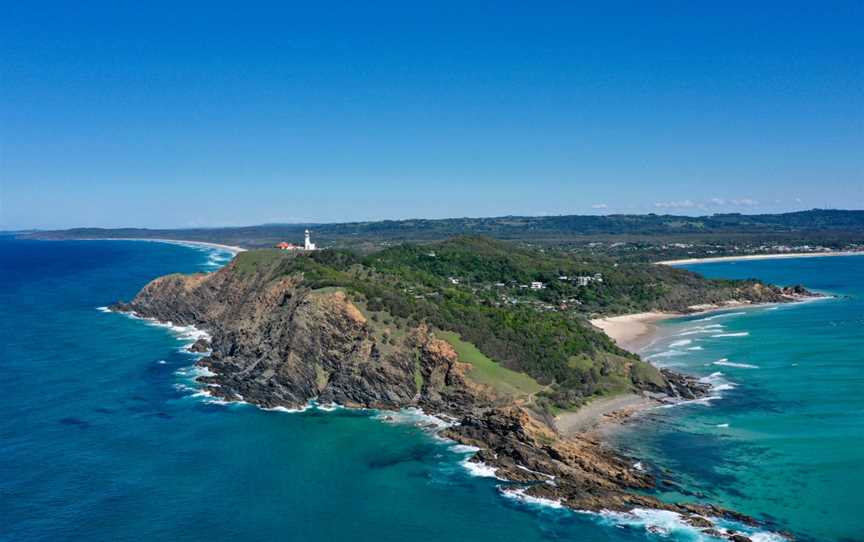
(103, 438)
(785, 438)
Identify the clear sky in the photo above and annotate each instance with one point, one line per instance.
(177, 114)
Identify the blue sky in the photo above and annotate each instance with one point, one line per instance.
(149, 114)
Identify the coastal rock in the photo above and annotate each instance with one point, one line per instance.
(277, 343)
(200, 346)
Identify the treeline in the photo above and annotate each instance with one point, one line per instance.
(814, 225)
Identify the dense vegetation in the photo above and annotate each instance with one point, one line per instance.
(477, 289)
(833, 228)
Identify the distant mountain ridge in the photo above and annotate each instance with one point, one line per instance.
(799, 225)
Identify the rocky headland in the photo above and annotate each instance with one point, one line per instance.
(277, 342)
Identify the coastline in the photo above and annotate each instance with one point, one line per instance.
(688, 261)
(228, 248)
(632, 332)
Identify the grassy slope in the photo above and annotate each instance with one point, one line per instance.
(485, 371)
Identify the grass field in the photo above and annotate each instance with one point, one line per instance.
(485, 371)
(249, 261)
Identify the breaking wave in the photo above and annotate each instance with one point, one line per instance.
(666, 523)
(726, 363)
(521, 495)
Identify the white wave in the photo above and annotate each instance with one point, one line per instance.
(688, 332)
(638, 466)
(699, 330)
(413, 416)
(161, 362)
(667, 523)
(700, 401)
(328, 407)
(716, 316)
(722, 425)
(520, 494)
(736, 334)
(682, 342)
(103, 309)
(464, 449)
(479, 469)
(717, 382)
(666, 354)
(695, 348)
(726, 363)
(286, 409)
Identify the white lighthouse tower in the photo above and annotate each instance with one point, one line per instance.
(308, 244)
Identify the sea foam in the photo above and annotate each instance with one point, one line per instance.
(521, 495)
(479, 469)
(716, 316)
(726, 363)
(667, 523)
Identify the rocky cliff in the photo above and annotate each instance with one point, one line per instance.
(277, 342)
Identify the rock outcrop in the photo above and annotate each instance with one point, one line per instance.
(275, 343)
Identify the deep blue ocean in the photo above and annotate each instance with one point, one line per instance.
(102, 436)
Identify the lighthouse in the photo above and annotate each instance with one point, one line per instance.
(308, 244)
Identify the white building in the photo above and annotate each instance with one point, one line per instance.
(537, 285)
(308, 244)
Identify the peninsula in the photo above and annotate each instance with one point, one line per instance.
(493, 336)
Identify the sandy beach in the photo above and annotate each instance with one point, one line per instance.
(227, 248)
(760, 257)
(632, 331)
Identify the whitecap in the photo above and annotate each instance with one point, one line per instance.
(722, 425)
(161, 362)
(737, 334)
(726, 363)
(413, 416)
(328, 407)
(682, 342)
(521, 495)
(695, 348)
(665, 354)
(464, 449)
(479, 469)
(723, 315)
(103, 309)
(667, 523)
(286, 409)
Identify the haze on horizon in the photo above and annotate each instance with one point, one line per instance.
(207, 115)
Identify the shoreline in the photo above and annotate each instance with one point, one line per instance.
(204, 244)
(779, 256)
(528, 481)
(634, 331)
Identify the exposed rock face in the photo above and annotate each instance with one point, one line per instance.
(276, 343)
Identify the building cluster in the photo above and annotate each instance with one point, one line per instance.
(307, 245)
(583, 280)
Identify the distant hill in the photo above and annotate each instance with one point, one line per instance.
(815, 225)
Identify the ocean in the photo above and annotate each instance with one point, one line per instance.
(104, 435)
(783, 438)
